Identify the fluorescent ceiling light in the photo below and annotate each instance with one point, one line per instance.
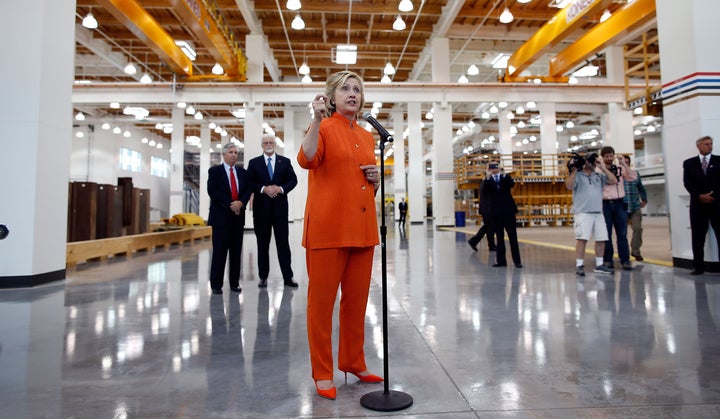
(146, 79)
(560, 4)
(473, 70)
(239, 113)
(524, 1)
(389, 69)
(306, 79)
(405, 6)
(605, 16)
(385, 79)
(587, 71)
(463, 79)
(293, 5)
(399, 24)
(187, 48)
(346, 54)
(501, 60)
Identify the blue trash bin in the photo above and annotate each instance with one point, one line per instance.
(459, 218)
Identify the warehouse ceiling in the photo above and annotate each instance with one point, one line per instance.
(476, 37)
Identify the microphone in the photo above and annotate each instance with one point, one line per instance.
(367, 115)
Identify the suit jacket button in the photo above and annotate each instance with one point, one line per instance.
(363, 210)
(362, 187)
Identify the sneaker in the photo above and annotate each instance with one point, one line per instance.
(580, 270)
(638, 257)
(603, 270)
(627, 266)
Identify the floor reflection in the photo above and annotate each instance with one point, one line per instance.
(144, 337)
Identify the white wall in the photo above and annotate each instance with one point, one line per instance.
(95, 158)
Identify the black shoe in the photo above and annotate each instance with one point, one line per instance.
(518, 265)
(697, 272)
(472, 245)
(499, 265)
(638, 257)
(262, 283)
(236, 289)
(290, 283)
(216, 291)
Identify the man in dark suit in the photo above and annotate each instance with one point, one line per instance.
(496, 189)
(229, 191)
(272, 178)
(402, 208)
(483, 210)
(701, 177)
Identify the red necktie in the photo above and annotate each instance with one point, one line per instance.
(233, 185)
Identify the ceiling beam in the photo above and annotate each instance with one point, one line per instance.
(551, 33)
(147, 29)
(623, 20)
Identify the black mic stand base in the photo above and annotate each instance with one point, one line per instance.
(390, 401)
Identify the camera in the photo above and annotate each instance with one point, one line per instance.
(492, 166)
(615, 170)
(577, 161)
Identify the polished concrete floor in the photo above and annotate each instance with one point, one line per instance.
(144, 337)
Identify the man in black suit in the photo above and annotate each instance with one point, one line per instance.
(483, 210)
(229, 191)
(272, 178)
(701, 177)
(496, 189)
(402, 208)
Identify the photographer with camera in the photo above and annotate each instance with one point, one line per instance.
(614, 208)
(587, 186)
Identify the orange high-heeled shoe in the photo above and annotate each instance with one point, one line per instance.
(330, 393)
(367, 378)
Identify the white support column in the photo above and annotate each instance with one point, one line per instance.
(417, 206)
(505, 145)
(288, 150)
(548, 137)
(255, 52)
(443, 181)
(252, 140)
(35, 138)
(688, 36)
(177, 161)
(440, 60)
(399, 179)
(299, 195)
(204, 166)
(619, 130)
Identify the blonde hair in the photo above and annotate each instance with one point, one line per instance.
(339, 79)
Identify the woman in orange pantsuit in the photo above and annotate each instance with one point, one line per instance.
(341, 230)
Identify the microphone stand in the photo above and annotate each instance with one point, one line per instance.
(385, 400)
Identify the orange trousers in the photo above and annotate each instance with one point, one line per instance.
(348, 268)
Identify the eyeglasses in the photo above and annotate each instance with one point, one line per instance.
(269, 143)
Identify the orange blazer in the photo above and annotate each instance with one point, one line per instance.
(340, 207)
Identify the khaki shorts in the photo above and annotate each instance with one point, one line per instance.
(590, 224)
